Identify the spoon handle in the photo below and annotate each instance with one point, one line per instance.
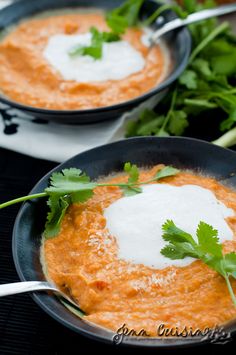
(27, 286)
(195, 17)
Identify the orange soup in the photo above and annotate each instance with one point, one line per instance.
(28, 77)
(83, 260)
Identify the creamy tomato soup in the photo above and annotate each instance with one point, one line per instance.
(37, 70)
(107, 254)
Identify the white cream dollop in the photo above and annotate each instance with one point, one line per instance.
(119, 59)
(136, 221)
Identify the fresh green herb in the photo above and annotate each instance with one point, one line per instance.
(206, 247)
(67, 187)
(58, 207)
(207, 85)
(118, 20)
(126, 15)
(73, 186)
(95, 49)
(167, 171)
(133, 172)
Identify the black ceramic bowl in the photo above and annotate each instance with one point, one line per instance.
(183, 153)
(179, 43)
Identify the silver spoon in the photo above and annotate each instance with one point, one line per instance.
(32, 286)
(195, 17)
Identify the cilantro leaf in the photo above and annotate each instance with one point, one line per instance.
(181, 244)
(208, 241)
(133, 172)
(95, 49)
(58, 207)
(230, 121)
(230, 264)
(178, 122)
(189, 79)
(66, 187)
(131, 187)
(207, 248)
(150, 127)
(110, 37)
(173, 252)
(68, 174)
(148, 123)
(202, 66)
(82, 195)
(68, 181)
(167, 171)
(190, 5)
(117, 23)
(131, 191)
(124, 16)
(224, 64)
(171, 233)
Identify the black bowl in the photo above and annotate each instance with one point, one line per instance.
(183, 153)
(179, 42)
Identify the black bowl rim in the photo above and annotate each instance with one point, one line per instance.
(182, 343)
(187, 41)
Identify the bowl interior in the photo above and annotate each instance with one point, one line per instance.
(182, 153)
(178, 42)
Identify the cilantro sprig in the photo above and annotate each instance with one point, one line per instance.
(127, 15)
(206, 248)
(95, 48)
(117, 20)
(74, 186)
(206, 89)
(131, 188)
(67, 187)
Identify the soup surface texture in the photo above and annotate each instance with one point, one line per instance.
(36, 68)
(85, 259)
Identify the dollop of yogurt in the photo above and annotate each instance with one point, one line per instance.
(119, 59)
(136, 221)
